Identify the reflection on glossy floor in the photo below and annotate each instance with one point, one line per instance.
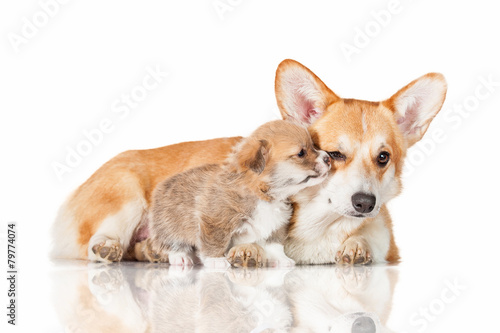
(134, 297)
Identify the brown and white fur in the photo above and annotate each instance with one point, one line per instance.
(345, 220)
(205, 211)
(110, 209)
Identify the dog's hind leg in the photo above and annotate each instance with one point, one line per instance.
(112, 238)
(100, 218)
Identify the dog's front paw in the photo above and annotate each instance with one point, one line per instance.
(180, 258)
(246, 255)
(354, 250)
(108, 251)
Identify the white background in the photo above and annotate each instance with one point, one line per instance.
(65, 79)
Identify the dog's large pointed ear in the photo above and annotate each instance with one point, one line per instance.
(302, 97)
(416, 104)
(253, 155)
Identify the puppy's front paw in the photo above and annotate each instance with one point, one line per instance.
(353, 251)
(108, 251)
(181, 259)
(246, 255)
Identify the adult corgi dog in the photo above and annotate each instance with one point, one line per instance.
(344, 220)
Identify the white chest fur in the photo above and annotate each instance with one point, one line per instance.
(319, 231)
(267, 218)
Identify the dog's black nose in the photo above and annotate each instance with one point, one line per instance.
(363, 325)
(363, 202)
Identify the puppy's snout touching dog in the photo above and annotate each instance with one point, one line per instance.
(325, 158)
(323, 163)
(363, 202)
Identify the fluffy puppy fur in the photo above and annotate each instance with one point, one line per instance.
(205, 211)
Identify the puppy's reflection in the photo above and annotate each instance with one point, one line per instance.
(210, 301)
(153, 298)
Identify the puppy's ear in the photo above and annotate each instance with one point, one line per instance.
(253, 155)
(302, 97)
(416, 104)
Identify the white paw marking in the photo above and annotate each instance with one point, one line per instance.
(180, 259)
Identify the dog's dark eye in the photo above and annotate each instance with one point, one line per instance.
(336, 155)
(383, 158)
(301, 153)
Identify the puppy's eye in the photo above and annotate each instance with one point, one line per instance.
(336, 155)
(383, 158)
(301, 153)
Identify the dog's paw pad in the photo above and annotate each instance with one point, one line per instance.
(154, 256)
(352, 252)
(97, 247)
(110, 250)
(147, 251)
(246, 255)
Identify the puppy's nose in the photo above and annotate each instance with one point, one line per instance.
(363, 325)
(363, 202)
(326, 159)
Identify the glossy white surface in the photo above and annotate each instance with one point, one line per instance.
(77, 296)
(65, 82)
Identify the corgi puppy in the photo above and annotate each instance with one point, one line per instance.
(344, 220)
(209, 209)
